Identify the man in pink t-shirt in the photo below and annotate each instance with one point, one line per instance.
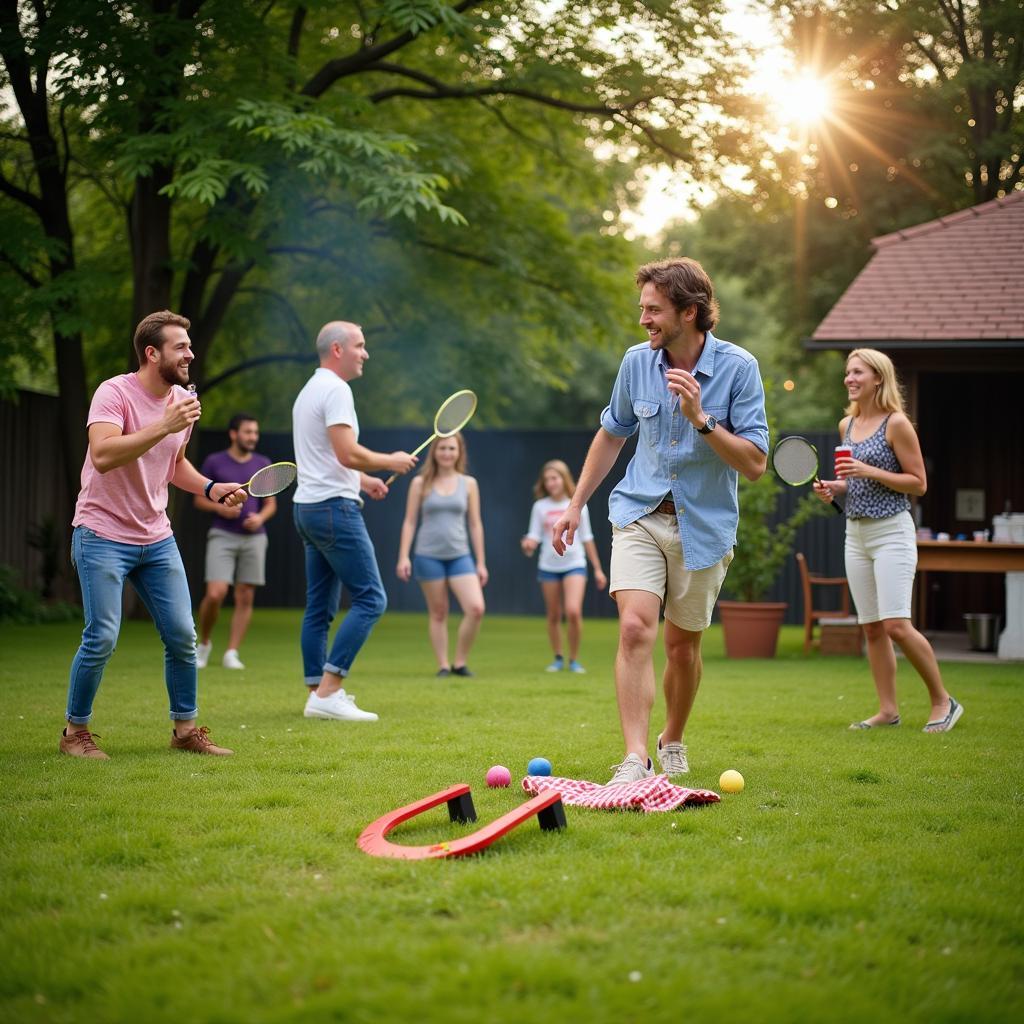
(139, 424)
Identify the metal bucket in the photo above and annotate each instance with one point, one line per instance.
(982, 630)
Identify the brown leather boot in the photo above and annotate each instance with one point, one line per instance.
(81, 744)
(197, 741)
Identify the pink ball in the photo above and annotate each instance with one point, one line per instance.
(498, 777)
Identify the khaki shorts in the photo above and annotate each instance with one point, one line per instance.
(236, 557)
(648, 555)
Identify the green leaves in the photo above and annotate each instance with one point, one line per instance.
(379, 166)
(418, 16)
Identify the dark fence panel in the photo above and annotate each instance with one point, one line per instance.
(35, 491)
(506, 464)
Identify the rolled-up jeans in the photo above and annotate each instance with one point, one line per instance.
(338, 552)
(158, 576)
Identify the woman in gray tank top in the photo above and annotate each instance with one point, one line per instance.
(449, 552)
(881, 544)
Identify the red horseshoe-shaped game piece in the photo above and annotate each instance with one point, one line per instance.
(547, 806)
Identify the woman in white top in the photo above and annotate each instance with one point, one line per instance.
(443, 499)
(563, 578)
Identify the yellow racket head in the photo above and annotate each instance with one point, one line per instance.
(455, 412)
(272, 479)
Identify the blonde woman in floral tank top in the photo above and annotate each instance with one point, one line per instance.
(881, 549)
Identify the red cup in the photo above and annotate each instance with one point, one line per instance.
(843, 451)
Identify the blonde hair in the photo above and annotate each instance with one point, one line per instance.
(889, 395)
(540, 491)
(429, 470)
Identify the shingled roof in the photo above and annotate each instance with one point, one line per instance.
(956, 279)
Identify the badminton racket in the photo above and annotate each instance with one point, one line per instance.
(452, 415)
(271, 480)
(795, 461)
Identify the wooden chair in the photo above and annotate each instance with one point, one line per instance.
(811, 614)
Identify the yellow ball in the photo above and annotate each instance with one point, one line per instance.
(731, 781)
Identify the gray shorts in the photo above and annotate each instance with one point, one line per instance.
(236, 557)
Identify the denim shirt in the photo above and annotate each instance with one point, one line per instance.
(672, 459)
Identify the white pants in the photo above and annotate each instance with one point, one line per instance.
(881, 562)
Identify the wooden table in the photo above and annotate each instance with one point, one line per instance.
(969, 556)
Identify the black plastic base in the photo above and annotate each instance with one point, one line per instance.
(552, 817)
(461, 809)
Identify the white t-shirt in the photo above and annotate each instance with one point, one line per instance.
(546, 512)
(324, 402)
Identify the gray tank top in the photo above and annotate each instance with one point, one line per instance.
(442, 532)
(868, 499)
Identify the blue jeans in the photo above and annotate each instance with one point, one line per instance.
(338, 551)
(156, 573)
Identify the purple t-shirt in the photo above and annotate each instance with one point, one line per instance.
(220, 466)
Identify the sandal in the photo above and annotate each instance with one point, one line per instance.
(945, 724)
(868, 725)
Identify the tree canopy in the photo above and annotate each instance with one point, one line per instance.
(926, 117)
(447, 173)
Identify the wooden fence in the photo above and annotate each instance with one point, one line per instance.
(506, 463)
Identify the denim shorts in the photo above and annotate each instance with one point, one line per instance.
(556, 577)
(425, 568)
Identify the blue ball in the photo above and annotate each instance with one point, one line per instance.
(539, 766)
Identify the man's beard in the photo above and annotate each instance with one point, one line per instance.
(171, 373)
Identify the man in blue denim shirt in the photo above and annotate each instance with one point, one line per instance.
(327, 507)
(698, 404)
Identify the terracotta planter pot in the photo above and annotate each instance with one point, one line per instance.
(751, 627)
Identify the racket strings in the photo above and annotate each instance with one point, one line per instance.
(795, 460)
(455, 413)
(272, 479)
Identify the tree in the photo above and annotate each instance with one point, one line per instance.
(201, 127)
(925, 118)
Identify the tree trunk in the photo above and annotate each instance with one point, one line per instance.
(149, 224)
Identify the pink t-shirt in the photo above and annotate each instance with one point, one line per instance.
(129, 504)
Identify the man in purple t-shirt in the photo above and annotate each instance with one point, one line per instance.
(236, 545)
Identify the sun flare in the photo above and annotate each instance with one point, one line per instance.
(800, 100)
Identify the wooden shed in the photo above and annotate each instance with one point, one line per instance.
(945, 300)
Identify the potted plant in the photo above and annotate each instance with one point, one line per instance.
(751, 624)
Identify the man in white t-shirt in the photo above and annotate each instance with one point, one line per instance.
(327, 506)
(139, 425)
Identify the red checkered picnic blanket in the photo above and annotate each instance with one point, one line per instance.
(653, 794)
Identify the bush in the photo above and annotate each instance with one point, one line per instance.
(762, 546)
(18, 604)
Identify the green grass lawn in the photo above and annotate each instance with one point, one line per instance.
(859, 876)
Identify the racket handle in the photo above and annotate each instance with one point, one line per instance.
(394, 476)
(839, 508)
(245, 487)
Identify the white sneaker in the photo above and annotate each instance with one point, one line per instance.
(340, 706)
(231, 659)
(672, 758)
(203, 654)
(631, 770)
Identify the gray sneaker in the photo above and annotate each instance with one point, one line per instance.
(631, 770)
(672, 758)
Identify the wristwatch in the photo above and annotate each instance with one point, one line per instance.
(709, 424)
